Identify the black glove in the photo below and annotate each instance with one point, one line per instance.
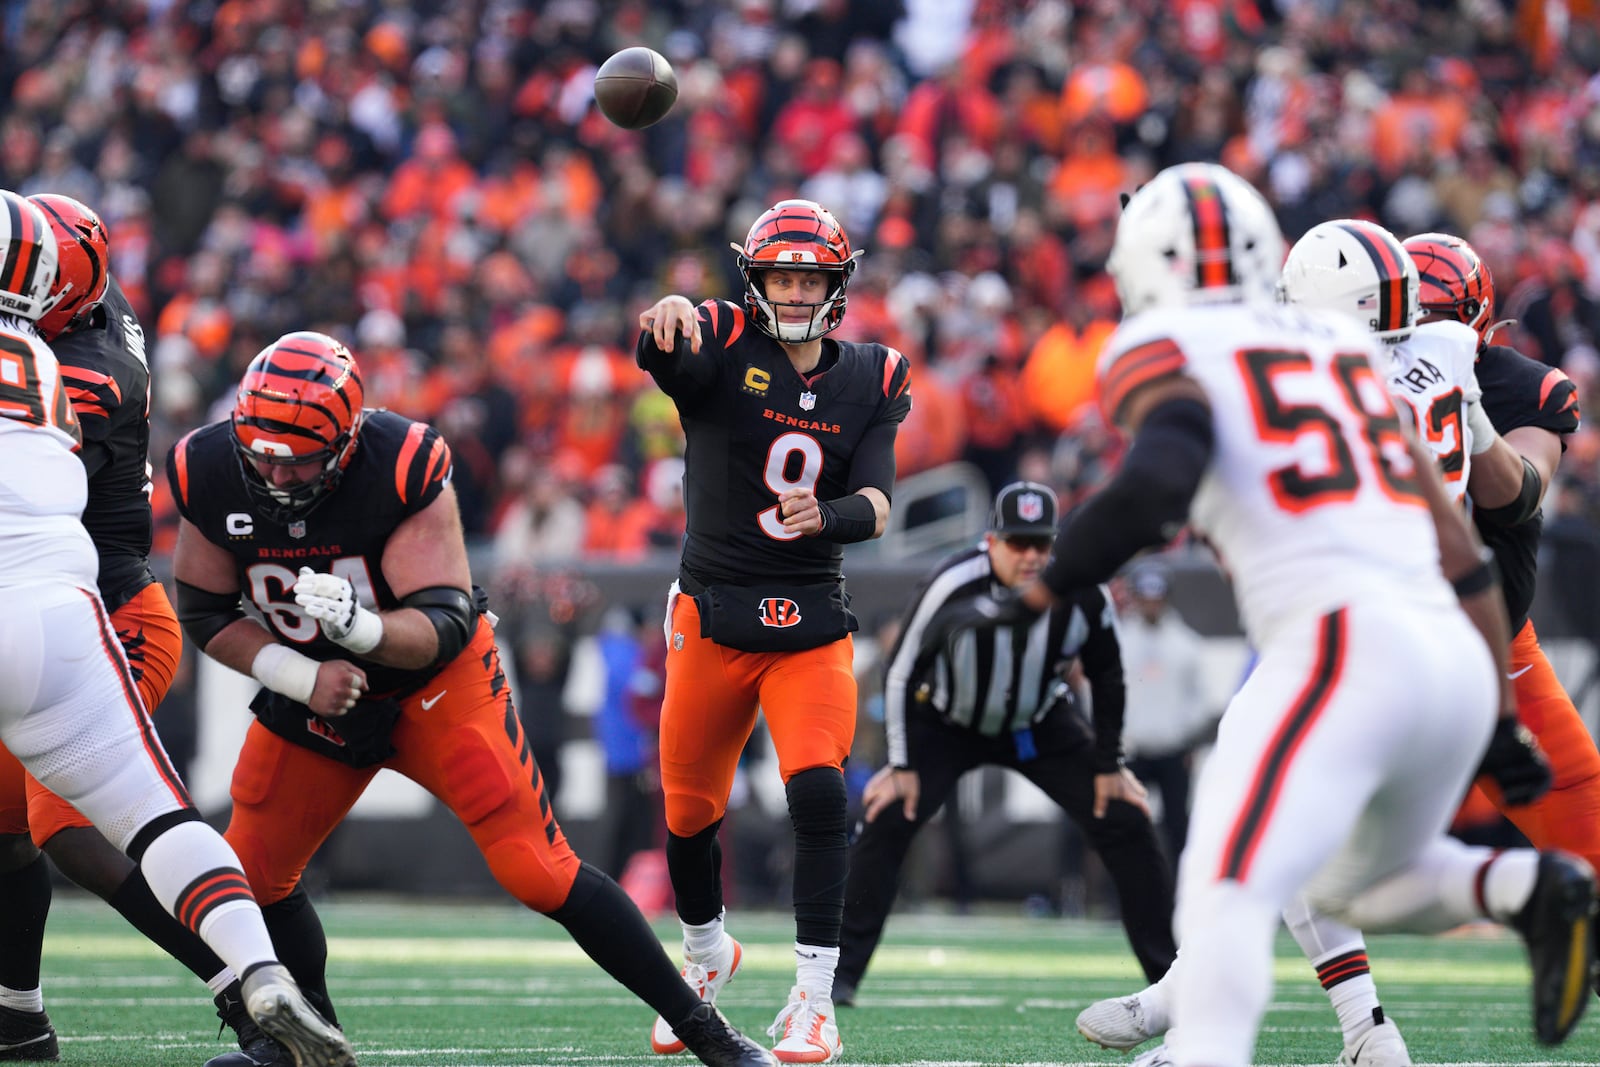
(985, 611)
(1516, 763)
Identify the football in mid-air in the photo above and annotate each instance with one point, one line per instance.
(635, 88)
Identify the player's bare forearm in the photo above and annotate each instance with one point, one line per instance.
(237, 645)
(1540, 447)
(427, 550)
(1460, 555)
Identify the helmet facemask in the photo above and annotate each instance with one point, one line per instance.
(299, 404)
(796, 235)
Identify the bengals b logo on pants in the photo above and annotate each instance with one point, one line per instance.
(779, 612)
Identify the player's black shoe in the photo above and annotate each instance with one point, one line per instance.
(27, 1035)
(1557, 922)
(844, 993)
(712, 1038)
(256, 1049)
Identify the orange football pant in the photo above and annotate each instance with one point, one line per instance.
(467, 748)
(709, 711)
(152, 641)
(1567, 817)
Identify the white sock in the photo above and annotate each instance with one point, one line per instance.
(229, 923)
(700, 941)
(1509, 881)
(1355, 1000)
(221, 980)
(813, 969)
(22, 999)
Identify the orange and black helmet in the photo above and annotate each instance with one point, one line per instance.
(300, 402)
(796, 235)
(85, 263)
(1455, 280)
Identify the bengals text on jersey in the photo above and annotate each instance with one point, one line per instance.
(401, 465)
(756, 427)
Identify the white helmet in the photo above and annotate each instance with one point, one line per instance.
(1359, 269)
(1197, 233)
(31, 258)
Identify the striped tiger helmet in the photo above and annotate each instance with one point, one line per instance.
(28, 272)
(299, 403)
(85, 263)
(1196, 233)
(1456, 282)
(1359, 269)
(796, 235)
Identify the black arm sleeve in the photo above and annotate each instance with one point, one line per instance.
(204, 614)
(1147, 502)
(681, 374)
(872, 464)
(1101, 656)
(1520, 510)
(453, 614)
(848, 519)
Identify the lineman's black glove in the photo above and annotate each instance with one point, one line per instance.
(1516, 763)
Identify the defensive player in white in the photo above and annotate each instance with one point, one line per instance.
(69, 709)
(1359, 270)
(1268, 429)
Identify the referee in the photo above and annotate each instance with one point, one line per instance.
(1000, 697)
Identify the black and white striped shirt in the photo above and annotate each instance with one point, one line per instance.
(994, 682)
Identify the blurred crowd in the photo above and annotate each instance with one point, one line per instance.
(430, 181)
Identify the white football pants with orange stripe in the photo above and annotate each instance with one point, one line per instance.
(70, 711)
(1336, 771)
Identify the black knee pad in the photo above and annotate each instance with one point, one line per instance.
(818, 802)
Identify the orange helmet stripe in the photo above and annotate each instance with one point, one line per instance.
(1386, 253)
(1213, 260)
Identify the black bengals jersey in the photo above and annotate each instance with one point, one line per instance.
(756, 427)
(399, 467)
(1517, 392)
(108, 380)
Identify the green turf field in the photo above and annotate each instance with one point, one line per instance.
(489, 985)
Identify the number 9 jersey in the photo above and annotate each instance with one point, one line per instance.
(757, 427)
(1310, 498)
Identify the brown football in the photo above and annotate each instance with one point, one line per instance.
(635, 88)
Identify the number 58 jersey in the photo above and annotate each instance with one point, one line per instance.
(1310, 498)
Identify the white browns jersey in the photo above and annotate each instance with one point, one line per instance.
(43, 487)
(1431, 373)
(1310, 498)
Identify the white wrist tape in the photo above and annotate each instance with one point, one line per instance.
(1480, 429)
(366, 630)
(283, 670)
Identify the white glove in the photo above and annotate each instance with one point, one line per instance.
(331, 600)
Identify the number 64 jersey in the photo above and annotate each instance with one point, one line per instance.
(1310, 498)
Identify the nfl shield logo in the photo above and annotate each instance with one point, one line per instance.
(677, 642)
(297, 529)
(1030, 507)
(808, 401)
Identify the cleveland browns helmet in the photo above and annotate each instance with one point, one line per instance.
(299, 402)
(796, 235)
(85, 263)
(1359, 269)
(31, 257)
(1456, 282)
(1196, 233)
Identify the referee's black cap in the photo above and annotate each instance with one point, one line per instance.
(1025, 508)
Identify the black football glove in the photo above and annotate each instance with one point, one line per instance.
(1516, 763)
(985, 611)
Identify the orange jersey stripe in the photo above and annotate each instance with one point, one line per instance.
(1138, 366)
(408, 452)
(889, 365)
(180, 463)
